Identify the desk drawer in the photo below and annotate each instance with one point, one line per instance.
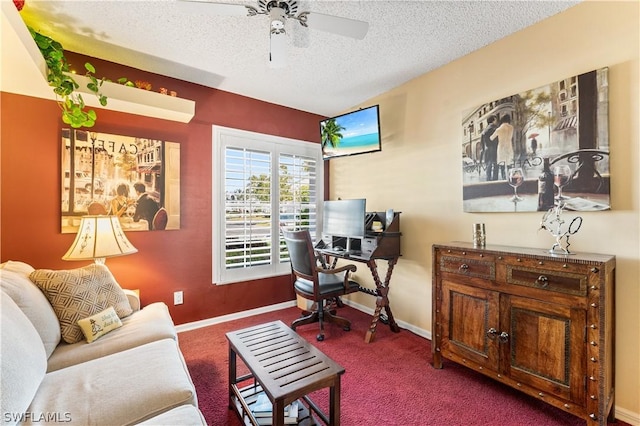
(369, 245)
(468, 266)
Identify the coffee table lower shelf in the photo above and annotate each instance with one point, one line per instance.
(245, 398)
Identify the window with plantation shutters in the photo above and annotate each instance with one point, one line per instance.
(259, 182)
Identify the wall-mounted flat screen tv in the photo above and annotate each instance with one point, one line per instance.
(356, 132)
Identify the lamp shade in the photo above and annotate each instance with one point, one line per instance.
(99, 237)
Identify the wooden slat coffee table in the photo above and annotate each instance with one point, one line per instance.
(286, 367)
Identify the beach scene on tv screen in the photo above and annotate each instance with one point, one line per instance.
(353, 133)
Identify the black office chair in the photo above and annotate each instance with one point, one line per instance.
(316, 283)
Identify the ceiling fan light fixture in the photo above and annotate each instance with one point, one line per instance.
(278, 19)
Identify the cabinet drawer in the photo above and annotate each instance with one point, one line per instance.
(558, 281)
(468, 266)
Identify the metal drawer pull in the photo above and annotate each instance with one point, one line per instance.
(504, 337)
(492, 333)
(542, 281)
(464, 267)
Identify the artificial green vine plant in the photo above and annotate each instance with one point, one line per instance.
(74, 112)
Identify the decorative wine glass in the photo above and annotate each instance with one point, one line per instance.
(561, 177)
(515, 179)
(131, 210)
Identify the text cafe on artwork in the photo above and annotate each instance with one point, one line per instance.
(134, 178)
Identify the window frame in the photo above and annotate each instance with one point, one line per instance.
(223, 137)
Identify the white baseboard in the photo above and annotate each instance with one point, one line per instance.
(626, 416)
(236, 315)
(412, 328)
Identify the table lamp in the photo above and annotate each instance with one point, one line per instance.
(99, 237)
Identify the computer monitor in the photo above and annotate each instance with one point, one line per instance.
(344, 218)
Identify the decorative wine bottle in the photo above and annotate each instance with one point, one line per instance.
(545, 188)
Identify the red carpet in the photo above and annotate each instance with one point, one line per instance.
(387, 382)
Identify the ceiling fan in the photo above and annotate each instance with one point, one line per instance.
(279, 11)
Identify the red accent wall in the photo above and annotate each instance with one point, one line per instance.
(167, 261)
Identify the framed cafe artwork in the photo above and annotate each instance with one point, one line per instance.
(134, 178)
(507, 142)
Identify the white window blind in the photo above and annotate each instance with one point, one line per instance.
(298, 194)
(260, 181)
(247, 220)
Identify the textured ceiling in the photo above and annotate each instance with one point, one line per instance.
(325, 73)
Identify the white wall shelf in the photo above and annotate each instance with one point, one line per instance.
(23, 71)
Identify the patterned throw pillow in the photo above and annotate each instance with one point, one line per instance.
(79, 293)
(99, 324)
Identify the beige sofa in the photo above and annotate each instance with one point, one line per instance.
(134, 374)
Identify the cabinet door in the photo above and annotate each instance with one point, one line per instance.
(469, 317)
(546, 346)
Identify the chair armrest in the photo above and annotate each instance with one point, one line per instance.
(350, 267)
(134, 299)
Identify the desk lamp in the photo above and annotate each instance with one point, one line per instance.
(99, 237)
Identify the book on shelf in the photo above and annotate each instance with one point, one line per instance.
(290, 410)
(267, 421)
(262, 410)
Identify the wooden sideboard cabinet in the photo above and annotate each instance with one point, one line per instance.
(540, 323)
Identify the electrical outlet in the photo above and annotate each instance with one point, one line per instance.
(177, 298)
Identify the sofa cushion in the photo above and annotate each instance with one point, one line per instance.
(99, 324)
(24, 361)
(79, 293)
(186, 415)
(17, 266)
(33, 304)
(149, 324)
(119, 389)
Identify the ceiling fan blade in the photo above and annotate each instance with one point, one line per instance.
(337, 25)
(278, 50)
(300, 36)
(204, 6)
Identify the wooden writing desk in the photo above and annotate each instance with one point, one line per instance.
(383, 245)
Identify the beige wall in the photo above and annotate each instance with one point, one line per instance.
(418, 171)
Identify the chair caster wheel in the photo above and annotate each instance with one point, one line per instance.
(320, 337)
(347, 328)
